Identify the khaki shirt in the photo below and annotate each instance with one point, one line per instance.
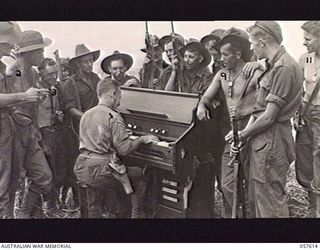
(193, 82)
(86, 90)
(311, 76)
(3, 79)
(102, 131)
(21, 79)
(281, 84)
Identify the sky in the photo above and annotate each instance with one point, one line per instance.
(128, 37)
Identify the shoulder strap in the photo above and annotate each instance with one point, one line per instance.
(313, 95)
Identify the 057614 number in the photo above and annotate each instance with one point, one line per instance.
(308, 245)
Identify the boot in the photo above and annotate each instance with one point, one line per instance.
(50, 207)
(64, 192)
(29, 200)
(75, 205)
(312, 204)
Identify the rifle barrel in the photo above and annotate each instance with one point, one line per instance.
(57, 57)
(172, 27)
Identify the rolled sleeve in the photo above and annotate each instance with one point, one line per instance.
(281, 86)
(276, 99)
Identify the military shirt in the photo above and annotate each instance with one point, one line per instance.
(311, 72)
(86, 88)
(281, 84)
(164, 77)
(145, 73)
(3, 79)
(192, 81)
(102, 131)
(21, 79)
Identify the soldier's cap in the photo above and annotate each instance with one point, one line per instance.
(270, 27)
(214, 35)
(154, 41)
(32, 40)
(168, 38)
(236, 35)
(82, 50)
(10, 32)
(127, 59)
(197, 46)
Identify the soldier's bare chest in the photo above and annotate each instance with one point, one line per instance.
(232, 85)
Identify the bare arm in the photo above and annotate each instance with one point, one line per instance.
(263, 122)
(170, 83)
(31, 95)
(207, 97)
(7, 99)
(75, 113)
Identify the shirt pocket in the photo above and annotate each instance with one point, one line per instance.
(264, 90)
(260, 147)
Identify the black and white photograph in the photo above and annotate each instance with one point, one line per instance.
(151, 120)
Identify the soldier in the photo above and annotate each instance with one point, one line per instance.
(116, 66)
(269, 127)
(66, 70)
(209, 42)
(194, 76)
(240, 96)
(68, 180)
(103, 139)
(79, 94)
(50, 123)
(170, 44)
(153, 64)
(28, 153)
(10, 35)
(218, 108)
(308, 132)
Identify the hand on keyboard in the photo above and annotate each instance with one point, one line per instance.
(150, 139)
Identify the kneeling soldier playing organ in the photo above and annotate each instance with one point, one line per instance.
(103, 139)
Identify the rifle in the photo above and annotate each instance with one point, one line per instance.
(148, 72)
(179, 71)
(57, 58)
(239, 205)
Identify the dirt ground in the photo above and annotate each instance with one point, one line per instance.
(297, 198)
(297, 201)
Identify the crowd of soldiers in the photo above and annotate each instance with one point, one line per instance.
(68, 132)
